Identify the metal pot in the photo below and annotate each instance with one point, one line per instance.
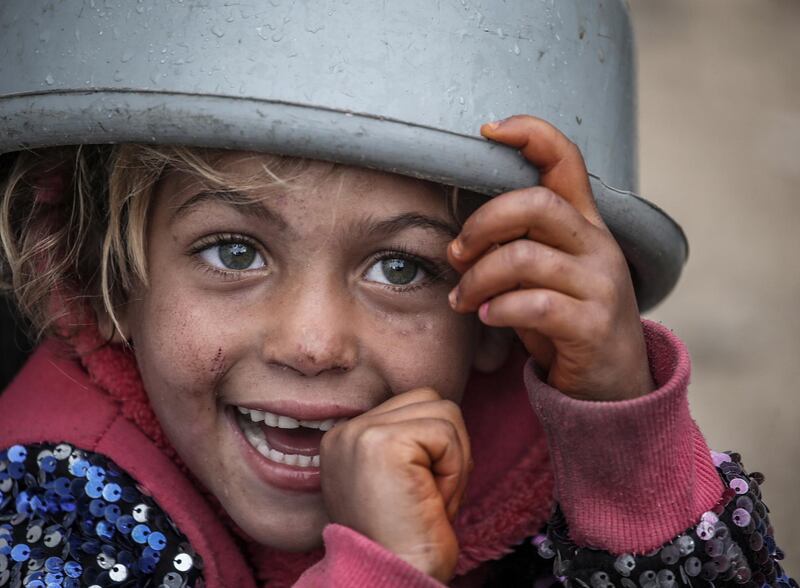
(401, 86)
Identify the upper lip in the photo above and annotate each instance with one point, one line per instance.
(304, 412)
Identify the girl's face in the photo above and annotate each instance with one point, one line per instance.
(270, 315)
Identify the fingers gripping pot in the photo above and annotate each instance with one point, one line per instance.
(401, 86)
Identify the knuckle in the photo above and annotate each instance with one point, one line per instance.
(541, 304)
(519, 253)
(371, 440)
(448, 429)
(606, 290)
(451, 410)
(544, 200)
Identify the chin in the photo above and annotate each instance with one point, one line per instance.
(297, 533)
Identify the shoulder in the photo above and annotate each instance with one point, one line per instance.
(72, 514)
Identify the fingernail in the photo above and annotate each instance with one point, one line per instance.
(483, 312)
(454, 297)
(497, 124)
(456, 249)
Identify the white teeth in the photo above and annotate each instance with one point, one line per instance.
(327, 425)
(255, 436)
(285, 422)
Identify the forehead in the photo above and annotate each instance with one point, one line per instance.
(298, 185)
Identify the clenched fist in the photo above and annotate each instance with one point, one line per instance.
(397, 474)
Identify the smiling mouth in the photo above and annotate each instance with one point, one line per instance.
(283, 439)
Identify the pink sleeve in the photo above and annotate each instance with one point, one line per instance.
(353, 561)
(630, 475)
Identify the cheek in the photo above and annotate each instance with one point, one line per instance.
(435, 350)
(179, 352)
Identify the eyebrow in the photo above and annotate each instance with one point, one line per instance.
(238, 200)
(366, 228)
(409, 220)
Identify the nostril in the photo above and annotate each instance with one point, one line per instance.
(310, 370)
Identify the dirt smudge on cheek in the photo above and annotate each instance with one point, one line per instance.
(218, 365)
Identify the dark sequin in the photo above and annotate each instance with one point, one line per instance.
(731, 544)
(69, 518)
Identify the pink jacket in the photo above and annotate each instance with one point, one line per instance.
(628, 475)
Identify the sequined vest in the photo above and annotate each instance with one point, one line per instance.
(54, 400)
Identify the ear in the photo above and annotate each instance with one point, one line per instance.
(494, 347)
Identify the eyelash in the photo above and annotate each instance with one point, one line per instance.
(222, 239)
(435, 272)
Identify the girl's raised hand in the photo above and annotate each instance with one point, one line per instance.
(542, 261)
(397, 474)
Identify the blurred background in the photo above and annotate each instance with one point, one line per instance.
(719, 111)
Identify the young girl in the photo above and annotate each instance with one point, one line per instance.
(259, 370)
(254, 355)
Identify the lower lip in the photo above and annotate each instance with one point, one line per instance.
(279, 475)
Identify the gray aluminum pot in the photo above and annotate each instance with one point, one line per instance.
(401, 86)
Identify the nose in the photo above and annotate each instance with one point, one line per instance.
(311, 331)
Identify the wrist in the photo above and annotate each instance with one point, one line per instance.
(430, 564)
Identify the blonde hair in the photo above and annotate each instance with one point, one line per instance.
(88, 244)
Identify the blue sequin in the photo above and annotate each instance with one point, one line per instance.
(105, 530)
(112, 513)
(97, 508)
(16, 470)
(48, 464)
(125, 524)
(151, 553)
(112, 492)
(62, 486)
(93, 489)
(68, 504)
(79, 467)
(51, 506)
(95, 474)
(17, 454)
(20, 552)
(157, 540)
(140, 533)
(73, 569)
